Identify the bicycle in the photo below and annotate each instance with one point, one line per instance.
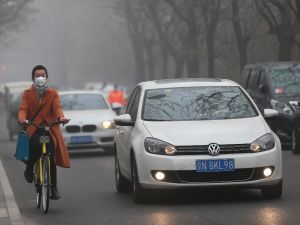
(42, 176)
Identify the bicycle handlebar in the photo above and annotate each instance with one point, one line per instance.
(28, 123)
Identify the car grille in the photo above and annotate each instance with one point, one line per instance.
(72, 129)
(84, 128)
(203, 149)
(191, 176)
(89, 128)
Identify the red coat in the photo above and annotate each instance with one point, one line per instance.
(116, 96)
(51, 111)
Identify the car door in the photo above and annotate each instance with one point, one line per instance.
(124, 133)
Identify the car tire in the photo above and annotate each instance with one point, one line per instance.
(272, 191)
(122, 184)
(295, 142)
(139, 193)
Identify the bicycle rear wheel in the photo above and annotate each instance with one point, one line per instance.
(46, 184)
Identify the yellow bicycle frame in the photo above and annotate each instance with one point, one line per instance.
(44, 151)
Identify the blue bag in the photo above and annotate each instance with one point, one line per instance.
(22, 149)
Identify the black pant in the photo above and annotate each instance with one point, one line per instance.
(35, 148)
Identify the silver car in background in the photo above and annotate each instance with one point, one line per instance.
(91, 124)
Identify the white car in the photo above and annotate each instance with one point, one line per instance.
(195, 133)
(91, 124)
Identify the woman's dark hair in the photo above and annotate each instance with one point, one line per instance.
(38, 67)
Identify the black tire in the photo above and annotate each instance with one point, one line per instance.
(37, 185)
(139, 193)
(295, 142)
(272, 191)
(38, 197)
(122, 184)
(46, 184)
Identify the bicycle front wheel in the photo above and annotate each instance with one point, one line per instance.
(46, 184)
(37, 185)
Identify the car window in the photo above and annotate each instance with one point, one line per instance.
(196, 103)
(285, 81)
(83, 102)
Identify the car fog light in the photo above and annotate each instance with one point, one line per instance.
(170, 150)
(160, 175)
(267, 172)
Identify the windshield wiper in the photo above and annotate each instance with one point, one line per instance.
(157, 96)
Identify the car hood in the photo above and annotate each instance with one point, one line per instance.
(233, 131)
(89, 116)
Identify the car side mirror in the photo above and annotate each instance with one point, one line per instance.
(270, 113)
(124, 120)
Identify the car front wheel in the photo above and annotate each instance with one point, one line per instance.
(139, 193)
(122, 184)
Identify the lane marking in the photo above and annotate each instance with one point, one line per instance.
(12, 206)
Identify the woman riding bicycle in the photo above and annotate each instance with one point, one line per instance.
(41, 105)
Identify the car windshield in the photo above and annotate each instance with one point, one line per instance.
(196, 103)
(285, 81)
(82, 102)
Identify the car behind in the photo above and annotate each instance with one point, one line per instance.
(91, 124)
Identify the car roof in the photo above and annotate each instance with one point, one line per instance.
(80, 92)
(270, 65)
(187, 82)
(18, 84)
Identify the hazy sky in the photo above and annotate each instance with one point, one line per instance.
(78, 41)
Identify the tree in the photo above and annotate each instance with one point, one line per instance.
(188, 12)
(9, 10)
(245, 21)
(142, 36)
(210, 11)
(171, 35)
(282, 20)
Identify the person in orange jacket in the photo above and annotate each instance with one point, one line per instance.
(40, 95)
(116, 96)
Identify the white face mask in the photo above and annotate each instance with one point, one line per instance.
(40, 81)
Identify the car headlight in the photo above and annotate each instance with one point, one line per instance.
(281, 107)
(108, 124)
(159, 147)
(263, 143)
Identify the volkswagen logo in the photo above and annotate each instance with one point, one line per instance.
(213, 149)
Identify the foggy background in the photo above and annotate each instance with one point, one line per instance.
(128, 41)
(77, 41)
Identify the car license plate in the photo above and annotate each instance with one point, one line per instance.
(81, 139)
(216, 165)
